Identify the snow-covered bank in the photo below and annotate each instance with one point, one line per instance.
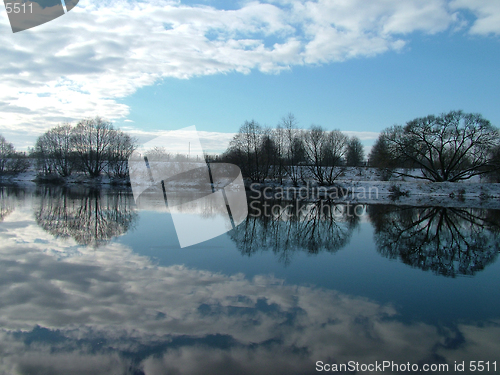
(355, 185)
(412, 193)
(366, 186)
(30, 179)
(448, 194)
(26, 179)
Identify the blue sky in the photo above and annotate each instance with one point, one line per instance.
(162, 65)
(431, 75)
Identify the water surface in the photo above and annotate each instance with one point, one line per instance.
(91, 284)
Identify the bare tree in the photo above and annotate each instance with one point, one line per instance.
(160, 153)
(294, 154)
(6, 152)
(119, 150)
(11, 162)
(279, 138)
(298, 158)
(315, 144)
(325, 151)
(336, 148)
(495, 164)
(244, 151)
(91, 139)
(54, 151)
(451, 147)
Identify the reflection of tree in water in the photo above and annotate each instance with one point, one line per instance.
(288, 226)
(448, 241)
(6, 208)
(8, 195)
(90, 217)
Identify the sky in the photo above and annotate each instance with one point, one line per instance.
(157, 65)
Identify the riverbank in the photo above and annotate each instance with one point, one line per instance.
(31, 179)
(355, 185)
(472, 194)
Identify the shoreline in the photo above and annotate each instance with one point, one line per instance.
(411, 193)
(353, 189)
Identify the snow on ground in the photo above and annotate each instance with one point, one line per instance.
(366, 185)
(356, 185)
(30, 179)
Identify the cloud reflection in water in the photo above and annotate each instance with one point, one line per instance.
(67, 308)
(113, 311)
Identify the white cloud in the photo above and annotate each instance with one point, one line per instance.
(81, 64)
(364, 136)
(487, 14)
(211, 142)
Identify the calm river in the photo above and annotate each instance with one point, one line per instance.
(89, 284)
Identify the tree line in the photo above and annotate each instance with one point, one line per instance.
(92, 146)
(287, 151)
(450, 147)
(11, 161)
